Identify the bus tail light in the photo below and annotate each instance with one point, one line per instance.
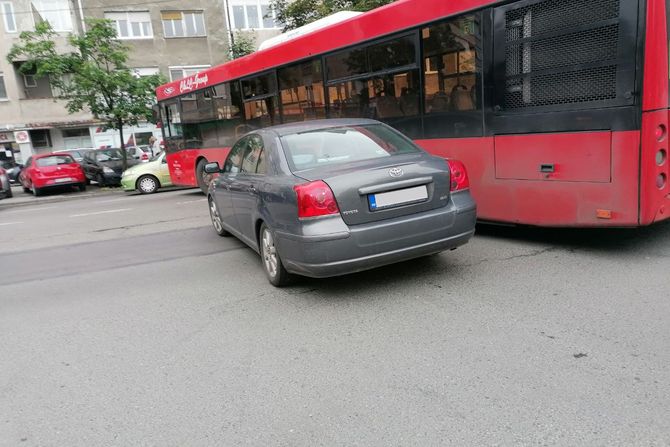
(459, 175)
(315, 199)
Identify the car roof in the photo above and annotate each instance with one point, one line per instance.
(306, 126)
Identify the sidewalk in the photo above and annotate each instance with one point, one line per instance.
(23, 199)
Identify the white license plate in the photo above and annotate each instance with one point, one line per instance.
(398, 197)
(63, 180)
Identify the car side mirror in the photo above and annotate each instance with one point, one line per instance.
(212, 168)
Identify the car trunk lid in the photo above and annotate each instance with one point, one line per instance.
(374, 190)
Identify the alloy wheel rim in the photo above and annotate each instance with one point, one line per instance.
(269, 253)
(216, 219)
(147, 184)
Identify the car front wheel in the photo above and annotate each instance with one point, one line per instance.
(147, 184)
(216, 218)
(274, 269)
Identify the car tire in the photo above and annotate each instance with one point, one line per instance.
(26, 190)
(36, 191)
(100, 180)
(147, 184)
(9, 194)
(216, 218)
(201, 177)
(82, 187)
(272, 265)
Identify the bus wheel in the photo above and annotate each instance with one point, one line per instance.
(201, 176)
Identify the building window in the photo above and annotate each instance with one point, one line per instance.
(183, 23)
(3, 90)
(131, 25)
(7, 11)
(145, 71)
(29, 81)
(252, 14)
(40, 138)
(183, 72)
(56, 12)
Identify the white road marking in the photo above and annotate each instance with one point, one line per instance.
(101, 212)
(9, 223)
(113, 200)
(30, 210)
(192, 201)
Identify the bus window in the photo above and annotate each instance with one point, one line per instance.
(228, 105)
(451, 70)
(346, 64)
(301, 92)
(172, 126)
(260, 102)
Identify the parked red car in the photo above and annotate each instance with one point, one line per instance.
(51, 170)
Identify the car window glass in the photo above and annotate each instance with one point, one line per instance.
(345, 144)
(54, 160)
(261, 168)
(109, 155)
(252, 154)
(234, 160)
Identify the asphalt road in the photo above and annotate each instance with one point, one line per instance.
(125, 321)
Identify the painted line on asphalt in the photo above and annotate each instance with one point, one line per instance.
(192, 201)
(10, 223)
(113, 200)
(30, 210)
(101, 212)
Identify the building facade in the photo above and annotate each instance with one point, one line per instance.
(163, 36)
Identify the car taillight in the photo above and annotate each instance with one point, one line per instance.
(145, 156)
(315, 199)
(459, 175)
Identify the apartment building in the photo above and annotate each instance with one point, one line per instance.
(164, 36)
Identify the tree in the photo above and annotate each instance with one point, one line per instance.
(243, 44)
(301, 12)
(94, 75)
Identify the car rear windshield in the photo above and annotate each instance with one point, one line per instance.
(109, 155)
(54, 160)
(315, 148)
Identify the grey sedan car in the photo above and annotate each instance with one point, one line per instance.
(332, 197)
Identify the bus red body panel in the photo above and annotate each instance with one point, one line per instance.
(552, 201)
(655, 86)
(182, 163)
(655, 168)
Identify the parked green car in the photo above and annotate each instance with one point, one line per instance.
(147, 177)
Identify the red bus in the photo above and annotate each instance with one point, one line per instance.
(559, 108)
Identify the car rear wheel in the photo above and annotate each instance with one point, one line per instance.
(36, 191)
(147, 184)
(82, 187)
(216, 219)
(100, 180)
(274, 269)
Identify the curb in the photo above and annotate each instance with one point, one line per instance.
(53, 199)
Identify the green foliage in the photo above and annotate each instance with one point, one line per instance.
(93, 76)
(243, 44)
(301, 12)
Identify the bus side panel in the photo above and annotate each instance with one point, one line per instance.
(182, 163)
(655, 85)
(655, 169)
(549, 202)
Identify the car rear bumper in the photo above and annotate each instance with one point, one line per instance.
(362, 247)
(51, 183)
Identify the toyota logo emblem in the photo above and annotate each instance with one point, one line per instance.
(395, 172)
